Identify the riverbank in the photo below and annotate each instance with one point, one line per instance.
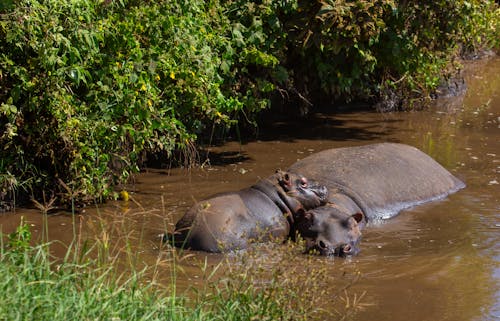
(90, 89)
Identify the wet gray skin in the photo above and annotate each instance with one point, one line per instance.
(308, 193)
(329, 231)
(265, 211)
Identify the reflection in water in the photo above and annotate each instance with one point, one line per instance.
(439, 261)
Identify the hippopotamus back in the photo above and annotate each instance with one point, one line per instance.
(262, 212)
(382, 179)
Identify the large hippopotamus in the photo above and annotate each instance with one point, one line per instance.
(375, 181)
(379, 180)
(264, 211)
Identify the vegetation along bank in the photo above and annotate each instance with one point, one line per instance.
(90, 88)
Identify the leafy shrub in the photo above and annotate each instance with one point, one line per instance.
(89, 87)
(258, 42)
(19, 240)
(423, 38)
(351, 50)
(333, 45)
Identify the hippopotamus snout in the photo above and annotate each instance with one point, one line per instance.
(328, 231)
(326, 249)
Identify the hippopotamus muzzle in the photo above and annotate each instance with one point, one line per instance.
(342, 250)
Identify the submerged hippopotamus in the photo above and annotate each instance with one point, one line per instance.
(331, 229)
(262, 212)
(367, 183)
(378, 180)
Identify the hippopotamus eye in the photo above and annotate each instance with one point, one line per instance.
(303, 182)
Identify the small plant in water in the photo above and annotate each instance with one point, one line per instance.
(19, 240)
(278, 282)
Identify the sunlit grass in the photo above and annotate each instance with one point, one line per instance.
(101, 280)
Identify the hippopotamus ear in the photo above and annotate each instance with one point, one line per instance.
(304, 215)
(283, 179)
(359, 217)
(280, 173)
(304, 222)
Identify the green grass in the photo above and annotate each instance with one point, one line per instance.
(38, 286)
(32, 289)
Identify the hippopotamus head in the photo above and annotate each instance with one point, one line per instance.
(308, 193)
(329, 231)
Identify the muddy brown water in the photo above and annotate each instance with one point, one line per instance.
(438, 261)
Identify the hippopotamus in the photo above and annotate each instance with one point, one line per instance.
(329, 230)
(378, 180)
(264, 211)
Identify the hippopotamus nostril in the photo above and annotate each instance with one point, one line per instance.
(322, 245)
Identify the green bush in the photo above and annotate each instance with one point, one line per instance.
(423, 39)
(354, 50)
(88, 88)
(258, 43)
(333, 46)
